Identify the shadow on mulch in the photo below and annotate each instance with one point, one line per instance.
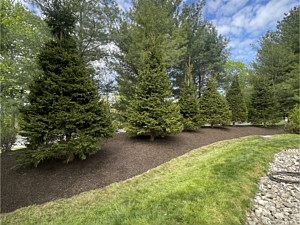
(120, 158)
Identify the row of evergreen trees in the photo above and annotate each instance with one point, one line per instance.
(152, 111)
(64, 117)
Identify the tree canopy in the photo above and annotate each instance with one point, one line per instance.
(204, 47)
(22, 35)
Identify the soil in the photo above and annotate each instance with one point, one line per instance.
(121, 158)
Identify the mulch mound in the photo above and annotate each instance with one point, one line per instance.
(120, 158)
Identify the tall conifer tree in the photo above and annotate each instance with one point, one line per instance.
(150, 22)
(214, 106)
(278, 60)
(189, 103)
(64, 116)
(236, 102)
(151, 111)
(264, 107)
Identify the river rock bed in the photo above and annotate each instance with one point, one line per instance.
(278, 202)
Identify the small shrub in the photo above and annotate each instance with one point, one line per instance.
(294, 120)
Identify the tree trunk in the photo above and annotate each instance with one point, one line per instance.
(199, 85)
(70, 157)
(68, 136)
(152, 135)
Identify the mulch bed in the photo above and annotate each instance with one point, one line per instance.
(120, 158)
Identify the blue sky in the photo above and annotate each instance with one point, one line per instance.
(242, 21)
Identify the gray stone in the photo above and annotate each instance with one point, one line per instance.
(287, 204)
(261, 202)
(279, 215)
(268, 195)
(258, 212)
(272, 208)
(266, 221)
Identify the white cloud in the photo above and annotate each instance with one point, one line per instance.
(213, 5)
(242, 49)
(229, 30)
(268, 15)
(261, 17)
(124, 4)
(225, 7)
(245, 21)
(244, 44)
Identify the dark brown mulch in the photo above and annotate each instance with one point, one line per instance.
(121, 158)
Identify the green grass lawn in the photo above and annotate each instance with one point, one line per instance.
(210, 185)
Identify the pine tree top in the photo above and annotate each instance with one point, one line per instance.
(60, 17)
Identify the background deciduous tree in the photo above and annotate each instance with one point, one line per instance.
(22, 35)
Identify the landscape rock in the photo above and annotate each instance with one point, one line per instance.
(278, 202)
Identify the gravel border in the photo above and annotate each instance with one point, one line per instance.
(278, 202)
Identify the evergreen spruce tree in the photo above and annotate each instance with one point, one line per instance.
(151, 111)
(264, 105)
(278, 60)
(189, 103)
(236, 102)
(214, 107)
(64, 117)
(149, 23)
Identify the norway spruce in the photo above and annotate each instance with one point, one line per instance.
(64, 117)
(189, 103)
(152, 112)
(236, 102)
(214, 106)
(264, 107)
